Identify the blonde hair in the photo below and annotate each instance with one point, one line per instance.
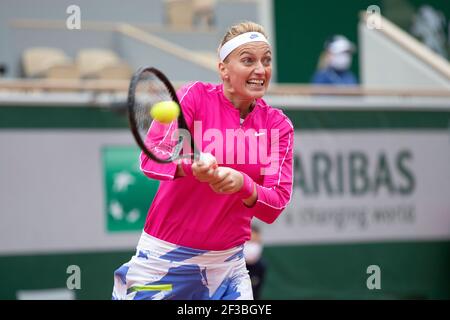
(240, 28)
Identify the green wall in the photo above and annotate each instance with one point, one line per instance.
(47, 271)
(409, 270)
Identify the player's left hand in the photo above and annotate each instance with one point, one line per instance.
(226, 180)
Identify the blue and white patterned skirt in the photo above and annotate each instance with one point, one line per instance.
(162, 270)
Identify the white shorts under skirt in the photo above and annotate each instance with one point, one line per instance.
(162, 270)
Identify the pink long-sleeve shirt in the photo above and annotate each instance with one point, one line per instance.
(188, 212)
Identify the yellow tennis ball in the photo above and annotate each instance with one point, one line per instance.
(165, 111)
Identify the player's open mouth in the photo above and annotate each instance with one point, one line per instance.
(256, 83)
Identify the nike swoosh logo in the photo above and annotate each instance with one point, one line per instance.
(257, 134)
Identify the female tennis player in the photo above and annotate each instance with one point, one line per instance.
(192, 243)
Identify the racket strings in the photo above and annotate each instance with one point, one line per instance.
(149, 91)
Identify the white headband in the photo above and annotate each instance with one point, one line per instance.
(241, 39)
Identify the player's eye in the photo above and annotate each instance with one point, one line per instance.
(267, 61)
(247, 60)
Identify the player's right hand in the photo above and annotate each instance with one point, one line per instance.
(204, 168)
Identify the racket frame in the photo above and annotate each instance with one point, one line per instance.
(181, 120)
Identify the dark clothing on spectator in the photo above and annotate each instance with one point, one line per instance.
(257, 272)
(334, 77)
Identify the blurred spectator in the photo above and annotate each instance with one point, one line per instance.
(335, 62)
(255, 263)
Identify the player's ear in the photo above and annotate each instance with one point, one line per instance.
(223, 71)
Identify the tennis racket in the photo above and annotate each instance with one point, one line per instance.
(161, 142)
